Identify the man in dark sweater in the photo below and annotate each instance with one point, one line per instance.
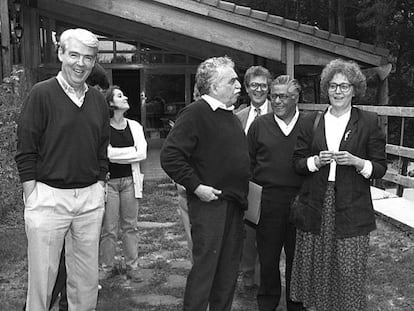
(99, 80)
(271, 140)
(206, 152)
(63, 134)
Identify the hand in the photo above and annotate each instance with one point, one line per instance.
(346, 158)
(207, 193)
(325, 157)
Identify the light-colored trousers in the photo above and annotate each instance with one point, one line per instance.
(121, 208)
(55, 215)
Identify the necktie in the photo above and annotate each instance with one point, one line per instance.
(257, 110)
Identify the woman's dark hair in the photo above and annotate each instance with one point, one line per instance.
(109, 96)
(98, 77)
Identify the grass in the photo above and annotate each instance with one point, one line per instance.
(164, 258)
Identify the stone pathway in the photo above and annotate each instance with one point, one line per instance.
(173, 282)
(164, 262)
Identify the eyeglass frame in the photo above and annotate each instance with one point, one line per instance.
(263, 86)
(282, 97)
(341, 86)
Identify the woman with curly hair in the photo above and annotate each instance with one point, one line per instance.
(339, 155)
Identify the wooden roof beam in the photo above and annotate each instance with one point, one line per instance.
(132, 30)
(173, 20)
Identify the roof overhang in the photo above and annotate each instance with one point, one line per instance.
(203, 28)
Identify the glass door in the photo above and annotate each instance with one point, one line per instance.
(164, 95)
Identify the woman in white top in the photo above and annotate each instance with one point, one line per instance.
(126, 150)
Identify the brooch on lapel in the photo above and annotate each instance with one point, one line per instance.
(346, 136)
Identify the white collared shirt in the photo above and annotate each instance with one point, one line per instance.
(334, 131)
(287, 128)
(252, 114)
(216, 104)
(70, 91)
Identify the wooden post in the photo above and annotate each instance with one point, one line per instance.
(402, 162)
(5, 39)
(188, 97)
(143, 97)
(31, 43)
(290, 58)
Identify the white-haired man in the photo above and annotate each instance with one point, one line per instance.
(206, 152)
(63, 134)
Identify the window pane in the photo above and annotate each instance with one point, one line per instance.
(123, 58)
(106, 45)
(125, 46)
(165, 97)
(105, 58)
(175, 58)
(151, 58)
(193, 60)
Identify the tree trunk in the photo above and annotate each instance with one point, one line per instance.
(341, 17)
(297, 9)
(331, 18)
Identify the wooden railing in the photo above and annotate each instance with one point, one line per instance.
(403, 154)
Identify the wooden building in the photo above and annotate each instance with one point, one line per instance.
(151, 48)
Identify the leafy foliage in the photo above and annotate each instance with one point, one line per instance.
(12, 91)
(385, 23)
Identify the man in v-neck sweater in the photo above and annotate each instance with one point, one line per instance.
(206, 152)
(63, 134)
(271, 140)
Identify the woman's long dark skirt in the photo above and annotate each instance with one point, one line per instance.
(329, 274)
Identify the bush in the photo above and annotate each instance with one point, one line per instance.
(12, 92)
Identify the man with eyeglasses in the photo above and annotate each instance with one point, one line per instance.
(271, 141)
(256, 82)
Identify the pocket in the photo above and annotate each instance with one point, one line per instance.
(41, 201)
(32, 194)
(97, 195)
(101, 188)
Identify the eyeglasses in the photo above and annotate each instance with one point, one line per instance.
(255, 85)
(283, 97)
(344, 87)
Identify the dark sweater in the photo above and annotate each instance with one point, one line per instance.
(210, 148)
(59, 143)
(271, 153)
